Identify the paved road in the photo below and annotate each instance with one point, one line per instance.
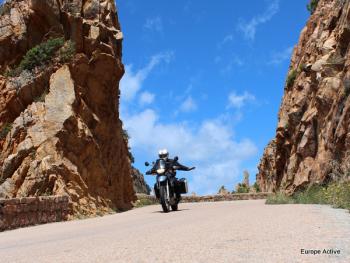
(238, 231)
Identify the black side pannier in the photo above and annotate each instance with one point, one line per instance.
(181, 186)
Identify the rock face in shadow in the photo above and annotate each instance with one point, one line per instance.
(140, 185)
(313, 130)
(60, 127)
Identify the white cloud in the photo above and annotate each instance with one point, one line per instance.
(227, 38)
(154, 24)
(132, 81)
(210, 147)
(146, 98)
(249, 28)
(188, 105)
(209, 144)
(279, 57)
(238, 101)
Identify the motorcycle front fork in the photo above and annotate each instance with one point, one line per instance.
(167, 191)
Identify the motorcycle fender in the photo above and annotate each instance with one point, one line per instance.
(162, 179)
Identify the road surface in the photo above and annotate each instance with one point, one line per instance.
(237, 231)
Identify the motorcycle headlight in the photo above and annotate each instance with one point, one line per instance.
(160, 171)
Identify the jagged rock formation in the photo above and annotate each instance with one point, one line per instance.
(223, 191)
(314, 118)
(69, 141)
(140, 185)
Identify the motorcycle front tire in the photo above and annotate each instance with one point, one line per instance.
(163, 198)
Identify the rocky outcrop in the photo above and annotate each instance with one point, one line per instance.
(60, 127)
(140, 185)
(223, 191)
(313, 128)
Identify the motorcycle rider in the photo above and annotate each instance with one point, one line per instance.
(164, 154)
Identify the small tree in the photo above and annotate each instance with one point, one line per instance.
(222, 190)
(5, 130)
(256, 187)
(291, 78)
(312, 5)
(242, 188)
(40, 54)
(126, 138)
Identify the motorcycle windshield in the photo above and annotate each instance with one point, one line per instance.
(161, 164)
(161, 167)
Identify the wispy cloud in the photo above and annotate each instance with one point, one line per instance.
(238, 101)
(233, 61)
(210, 147)
(188, 105)
(249, 28)
(208, 144)
(132, 81)
(154, 24)
(228, 38)
(146, 98)
(281, 56)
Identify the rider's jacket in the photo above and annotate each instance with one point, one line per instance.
(171, 163)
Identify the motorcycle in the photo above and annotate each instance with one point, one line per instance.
(168, 188)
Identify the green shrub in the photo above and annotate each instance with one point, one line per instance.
(311, 6)
(131, 157)
(126, 135)
(66, 52)
(40, 54)
(256, 187)
(242, 188)
(144, 202)
(314, 194)
(43, 53)
(13, 72)
(301, 67)
(279, 198)
(5, 130)
(291, 78)
(286, 126)
(336, 194)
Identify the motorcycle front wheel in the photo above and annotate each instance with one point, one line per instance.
(164, 198)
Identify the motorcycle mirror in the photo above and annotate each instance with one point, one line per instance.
(176, 158)
(146, 164)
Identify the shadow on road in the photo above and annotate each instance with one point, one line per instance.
(160, 211)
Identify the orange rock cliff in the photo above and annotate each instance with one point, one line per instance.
(59, 117)
(313, 128)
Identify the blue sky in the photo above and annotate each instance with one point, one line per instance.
(205, 80)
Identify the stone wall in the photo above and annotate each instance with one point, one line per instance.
(26, 211)
(212, 198)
